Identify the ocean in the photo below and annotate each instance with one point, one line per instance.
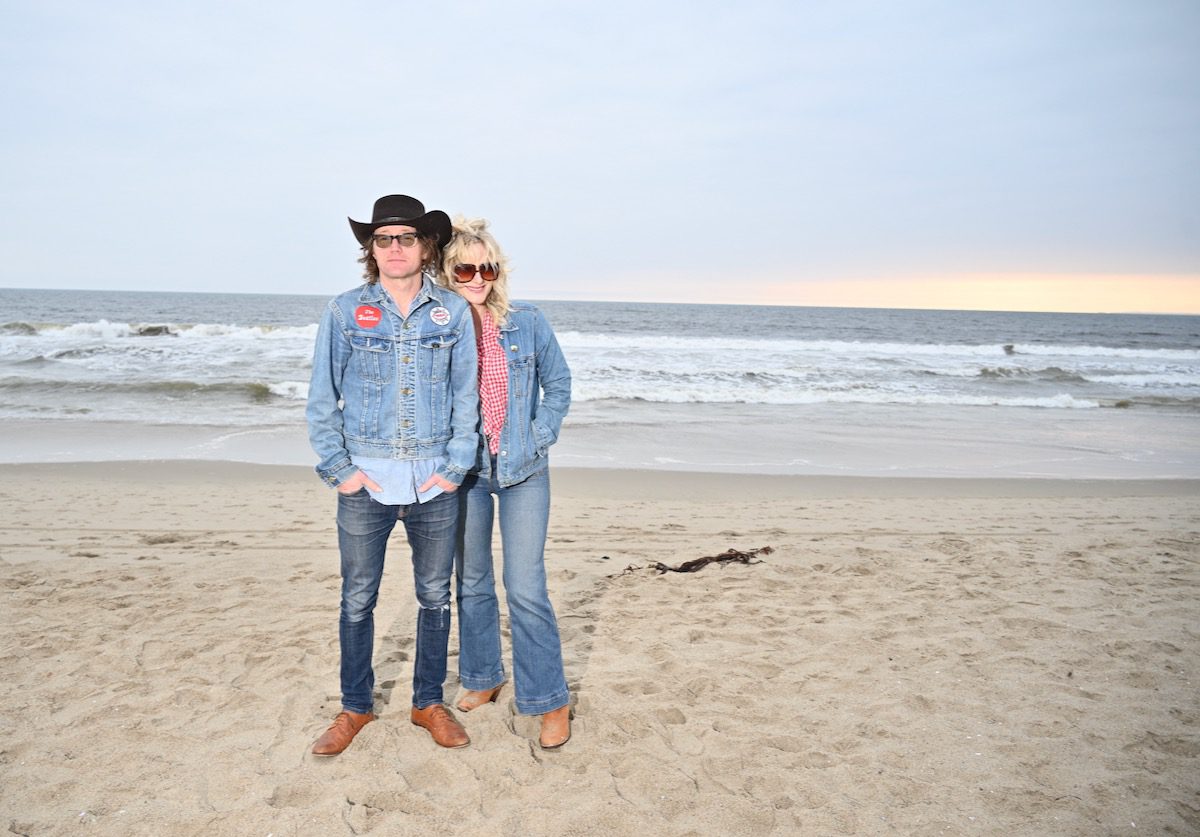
(752, 389)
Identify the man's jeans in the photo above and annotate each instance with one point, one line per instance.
(363, 529)
(537, 651)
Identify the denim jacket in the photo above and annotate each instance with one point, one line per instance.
(384, 385)
(539, 393)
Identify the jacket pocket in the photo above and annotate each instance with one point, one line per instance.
(435, 354)
(520, 377)
(373, 357)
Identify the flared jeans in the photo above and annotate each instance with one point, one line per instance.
(537, 651)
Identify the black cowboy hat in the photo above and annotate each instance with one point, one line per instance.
(401, 209)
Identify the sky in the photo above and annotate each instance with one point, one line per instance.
(1015, 155)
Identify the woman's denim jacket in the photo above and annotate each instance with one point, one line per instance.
(395, 388)
(539, 393)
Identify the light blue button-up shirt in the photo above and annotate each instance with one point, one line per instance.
(400, 478)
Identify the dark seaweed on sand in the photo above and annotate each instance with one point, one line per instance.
(729, 556)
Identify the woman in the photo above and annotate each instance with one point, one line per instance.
(524, 392)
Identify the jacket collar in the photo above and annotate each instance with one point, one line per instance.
(371, 292)
(511, 324)
(374, 292)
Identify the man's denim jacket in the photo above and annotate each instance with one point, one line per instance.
(539, 393)
(395, 388)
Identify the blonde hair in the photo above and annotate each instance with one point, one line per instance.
(467, 233)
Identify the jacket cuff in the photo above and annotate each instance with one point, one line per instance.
(452, 474)
(338, 473)
(542, 437)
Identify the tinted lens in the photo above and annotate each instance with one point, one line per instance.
(405, 239)
(466, 272)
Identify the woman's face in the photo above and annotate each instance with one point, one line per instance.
(475, 290)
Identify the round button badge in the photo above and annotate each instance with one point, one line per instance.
(367, 316)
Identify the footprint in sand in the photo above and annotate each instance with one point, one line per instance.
(164, 538)
(671, 715)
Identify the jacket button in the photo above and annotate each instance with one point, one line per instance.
(406, 359)
(504, 453)
(406, 391)
(406, 423)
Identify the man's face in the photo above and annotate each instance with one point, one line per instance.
(396, 261)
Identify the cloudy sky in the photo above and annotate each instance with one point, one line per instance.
(922, 153)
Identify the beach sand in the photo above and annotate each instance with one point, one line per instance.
(914, 657)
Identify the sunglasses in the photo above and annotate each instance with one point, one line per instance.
(403, 239)
(464, 273)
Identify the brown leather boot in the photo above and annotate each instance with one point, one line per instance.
(446, 731)
(473, 700)
(341, 732)
(556, 728)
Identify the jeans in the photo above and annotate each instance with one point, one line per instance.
(363, 529)
(537, 652)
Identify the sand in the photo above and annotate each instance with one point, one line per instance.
(915, 657)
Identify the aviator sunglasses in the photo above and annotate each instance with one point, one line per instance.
(464, 273)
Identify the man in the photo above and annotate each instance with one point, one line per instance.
(392, 413)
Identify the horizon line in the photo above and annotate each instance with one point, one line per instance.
(774, 304)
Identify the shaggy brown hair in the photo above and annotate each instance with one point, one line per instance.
(431, 257)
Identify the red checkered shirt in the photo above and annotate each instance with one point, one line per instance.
(493, 380)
